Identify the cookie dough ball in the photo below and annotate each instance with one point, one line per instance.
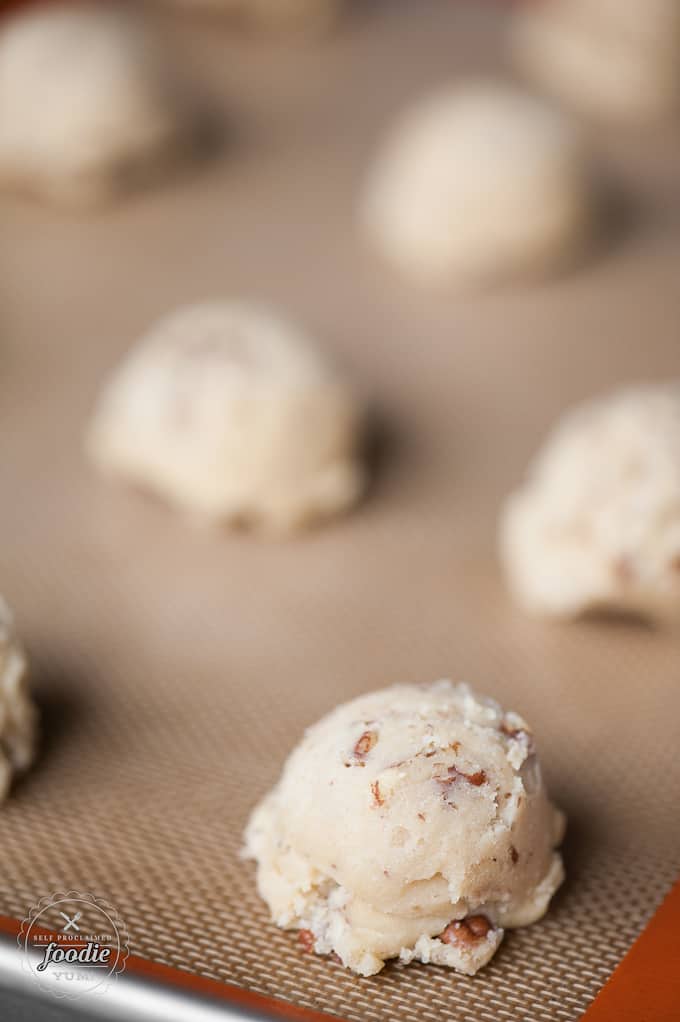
(17, 714)
(89, 104)
(274, 15)
(478, 181)
(615, 59)
(410, 822)
(596, 525)
(232, 413)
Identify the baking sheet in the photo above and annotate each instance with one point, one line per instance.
(176, 667)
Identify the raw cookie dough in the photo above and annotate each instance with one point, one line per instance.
(17, 714)
(231, 412)
(597, 522)
(89, 103)
(274, 15)
(476, 181)
(616, 59)
(410, 822)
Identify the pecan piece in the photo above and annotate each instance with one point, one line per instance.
(466, 932)
(514, 855)
(365, 743)
(453, 773)
(306, 940)
(519, 735)
(476, 779)
(378, 800)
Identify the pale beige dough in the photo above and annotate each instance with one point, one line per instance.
(18, 718)
(615, 59)
(90, 102)
(596, 524)
(233, 413)
(476, 181)
(401, 813)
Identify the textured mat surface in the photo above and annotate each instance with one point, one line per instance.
(176, 667)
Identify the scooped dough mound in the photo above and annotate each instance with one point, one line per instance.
(614, 59)
(232, 413)
(17, 714)
(411, 822)
(596, 525)
(90, 103)
(477, 181)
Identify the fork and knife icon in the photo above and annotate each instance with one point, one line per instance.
(71, 921)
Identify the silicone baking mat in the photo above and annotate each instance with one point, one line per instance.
(176, 667)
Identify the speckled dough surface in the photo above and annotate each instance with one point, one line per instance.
(597, 523)
(411, 822)
(234, 414)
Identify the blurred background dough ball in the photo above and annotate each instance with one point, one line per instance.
(232, 413)
(272, 15)
(614, 59)
(90, 101)
(596, 524)
(476, 181)
(18, 718)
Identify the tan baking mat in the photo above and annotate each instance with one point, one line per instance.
(175, 668)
